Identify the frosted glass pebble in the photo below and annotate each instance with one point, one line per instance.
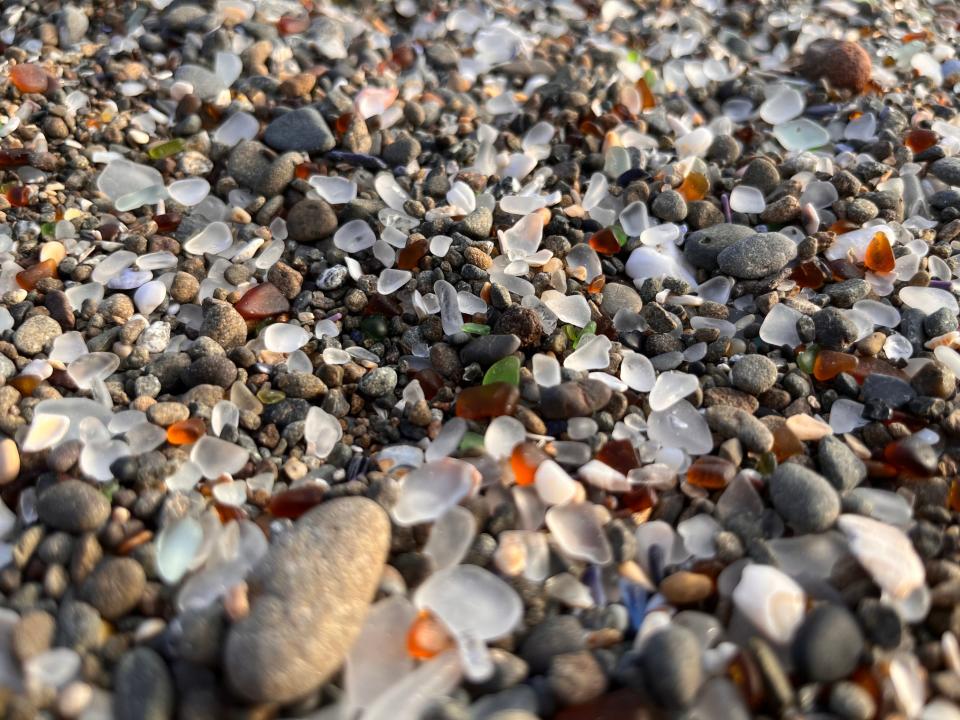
(572, 309)
(680, 426)
(225, 414)
(162, 260)
(471, 602)
(129, 279)
(546, 370)
(784, 104)
(391, 280)
(68, 347)
(299, 362)
(177, 546)
(846, 416)
(637, 371)
(336, 356)
(335, 190)
(884, 505)
(215, 457)
(112, 265)
(596, 191)
(779, 327)
(284, 337)
(212, 240)
(232, 494)
(440, 244)
(747, 199)
(879, 313)
(928, 299)
(820, 194)
(321, 432)
(354, 236)
(189, 192)
(432, 489)
(801, 134)
(897, 347)
(949, 357)
(553, 484)
(122, 177)
(670, 388)
(96, 458)
(635, 218)
(771, 600)
(581, 428)
(390, 191)
(145, 437)
(522, 204)
(51, 669)
(699, 535)
(592, 354)
(660, 234)
(236, 128)
(885, 552)
(450, 315)
(450, 537)
(149, 296)
(863, 128)
(45, 431)
(597, 473)
(462, 197)
(577, 530)
(502, 435)
(227, 66)
(694, 144)
(447, 440)
(88, 368)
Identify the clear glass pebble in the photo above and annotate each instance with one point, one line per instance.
(45, 431)
(801, 134)
(681, 426)
(451, 537)
(189, 192)
(747, 199)
(779, 327)
(334, 189)
(546, 370)
(784, 104)
(284, 337)
(577, 530)
(634, 218)
(390, 191)
(771, 600)
(670, 388)
(431, 490)
(321, 432)
(212, 240)
(97, 457)
(928, 299)
(215, 457)
(225, 415)
(572, 309)
(391, 280)
(354, 236)
(592, 354)
(238, 127)
(177, 546)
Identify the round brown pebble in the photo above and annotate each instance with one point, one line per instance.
(842, 63)
(685, 588)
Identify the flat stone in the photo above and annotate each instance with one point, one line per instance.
(892, 391)
(310, 220)
(828, 644)
(223, 323)
(114, 587)
(754, 374)
(805, 500)
(143, 687)
(73, 506)
(839, 465)
(257, 167)
(309, 597)
(487, 349)
(35, 334)
(303, 130)
(702, 247)
(757, 256)
(671, 666)
(575, 398)
(617, 296)
(731, 422)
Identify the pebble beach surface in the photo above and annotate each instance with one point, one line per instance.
(479, 361)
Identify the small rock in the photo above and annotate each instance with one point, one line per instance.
(9, 461)
(114, 587)
(576, 678)
(671, 666)
(833, 329)
(669, 206)
(35, 334)
(378, 383)
(576, 398)
(33, 634)
(731, 422)
(852, 702)
(948, 170)
(754, 374)
(314, 587)
(477, 225)
(935, 379)
(487, 349)
(828, 644)
(701, 248)
(839, 464)
(310, 220)
(401, 151)
(223, 323)
(73, 506)
(143, 687)
(303, 129)
(757, 256)
(805, 500)
(554, 636)
(522, 323)
(842, 63)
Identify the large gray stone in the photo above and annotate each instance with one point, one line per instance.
(310, 595)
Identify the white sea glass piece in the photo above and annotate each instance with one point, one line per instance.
(432, 489)
(771, 600)
(576, 528)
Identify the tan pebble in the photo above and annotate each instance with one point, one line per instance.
(9, 461)
(74, 699)
(53, 250)
(684, 588)
(806, 427)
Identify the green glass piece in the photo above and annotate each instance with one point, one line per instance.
(268, 396)
(767, 463)
(619, 234)
(48, 229)
(471, 441)
(633, 56)
(374, 326)
(505, 370)
(166, 149)
(589, 331)
(807, 358)
(476, 329)
(571, 332)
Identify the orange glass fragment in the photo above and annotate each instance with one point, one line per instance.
(648, 100)
(920, 139)
(588, 127)
(620, 455)
(786, 444)
(343, 122)
(953, 497)
(876, 366)
(488, 401)
(14, 157)
(186, 431)
(409, 257)
(829, 364)
(296, 501)
(639, 500)
(19, 195)
(842, 226)
(605, 242)
(26, 384)
(168, 221)
(711, 472)
(879, 255)
(813, 274)
(29, 78)
(427, 637)
(430, 382)
(305, 170)
(596, 285)
(262, 301)
(694, 187)
(28, 279)
(524, 461)
(292, 24)
(912, 457)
